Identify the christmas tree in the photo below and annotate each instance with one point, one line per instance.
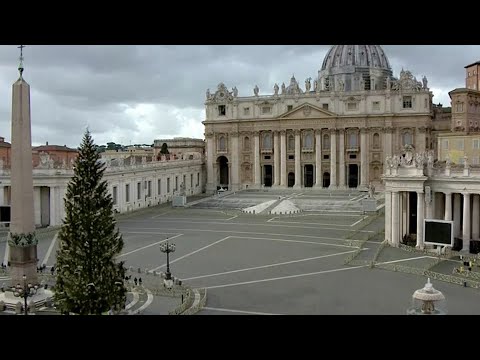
(89, 280)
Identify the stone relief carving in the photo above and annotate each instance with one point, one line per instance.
(44, 160)
(222, 94)
(406, 82)
(307, 110)
(340, 85)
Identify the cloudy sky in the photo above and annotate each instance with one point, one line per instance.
(135, 94)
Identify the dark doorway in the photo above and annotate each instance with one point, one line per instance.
(326, 180)
(352, 175)
(412, 202)
(223, 167)
(267, 175)
(308, 176)
(291, 179)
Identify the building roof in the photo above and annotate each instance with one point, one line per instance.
(5, 144)
(475, 63)
(53, 148)
(341, 56)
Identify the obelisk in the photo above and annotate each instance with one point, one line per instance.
(21, 238)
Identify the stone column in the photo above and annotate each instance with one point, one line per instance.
(387, 146)
(420, 217)
(395, 219)
(333, 159)
(54, 205)
(457, 215)
(258, 170)
(388, 217)
(283, 159)
(476, 218)
(466, 233)
(276, 158)
(298, 164)
(429, 203)
(363, 159)
(211, 182)
(448, 206)
(235, 164)
(341, 163)
(2, 194)
(318, 158)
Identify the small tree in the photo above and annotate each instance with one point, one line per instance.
(89, 280)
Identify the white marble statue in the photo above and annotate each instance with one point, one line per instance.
(255, 90)
(275, 89)
(235, 91)
(308, 84)
(283, 88)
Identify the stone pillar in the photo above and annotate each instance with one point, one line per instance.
(258, 170)
(211, 182)
(53, 205)
(420, 217)
(448, 206)
(276, 159)
(2, 195)
(387, 145)
(22, 238)
(341, 163)
(363, 159)
(429, 204)
(476, 218)
(395, 219)
(466, 233)
(283, 159)
(318, 158)
(235, 163)
(388, 217)
(298, 164)
(457, 215)
(333, 159)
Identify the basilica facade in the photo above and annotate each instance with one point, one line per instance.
(333, 132)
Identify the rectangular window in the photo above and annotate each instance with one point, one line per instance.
(351, 106)
(176, 183)
(445, 145)
(476, 144)
(159, 187)
(460, 144)
(222, 110)
(149, 188)
(198, 179)
(325, 106)
(246, 111)
(114, 195)
(289, 107)
(326, 157)
(353, 156)
(459, 107)
(407, 102)
(376, 105)
(139, 190)
(191, 180)
(291, 157)
(266, 110)
(127, 193)
(475, 160)
(267, 157)
(168, 185)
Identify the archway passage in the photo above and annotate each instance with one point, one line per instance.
(223, 171)
(352, 175)
(291, 179)
(267, 175)
(308, 176)
(326, 179)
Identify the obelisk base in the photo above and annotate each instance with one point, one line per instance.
(23, 261)
(39, 299)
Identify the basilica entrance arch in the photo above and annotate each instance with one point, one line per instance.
(222, 163)
(291, 179)
(267, 175)
(352, 175)
(308, 176)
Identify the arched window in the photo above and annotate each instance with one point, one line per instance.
(267, 141)
(308, 141)
(407, 139)
(291, 143)
(326, 142)
(376, 140)
(246, 143)
(222, 146)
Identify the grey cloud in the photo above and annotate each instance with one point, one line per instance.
(76, 85)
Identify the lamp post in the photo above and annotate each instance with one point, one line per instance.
(26, 291)
(167, 249)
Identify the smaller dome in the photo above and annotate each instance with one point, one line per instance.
(293, 88)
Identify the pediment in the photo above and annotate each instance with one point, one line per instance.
(307, 111)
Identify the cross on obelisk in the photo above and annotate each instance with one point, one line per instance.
(22, 240)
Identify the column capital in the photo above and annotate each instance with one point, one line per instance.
(341, 131)
(283, 132)
(388, 130)
(209, 135)
(256, 133)
(318, 132)
(363, 130)
(234, 133)
(297, 132)
(245, 133)
(332, 131)
(422, 129)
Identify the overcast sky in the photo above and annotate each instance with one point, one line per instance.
(135, 94)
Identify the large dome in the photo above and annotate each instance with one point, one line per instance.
(371, 56)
